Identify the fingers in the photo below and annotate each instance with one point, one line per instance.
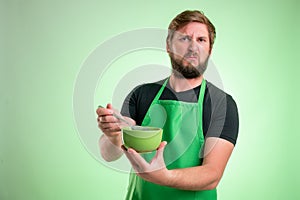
(109, 106)
(109, 127)
(107, 122)
(159, 156)
(104, 111)
(107, 119)
(137, 161)
(140, 165)
(161, 148)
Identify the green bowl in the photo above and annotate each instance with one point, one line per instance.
(142, 139)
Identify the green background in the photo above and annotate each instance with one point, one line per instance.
(44, 43)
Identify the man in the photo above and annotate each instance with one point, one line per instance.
(201, 121)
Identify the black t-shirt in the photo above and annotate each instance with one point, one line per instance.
(220, 114)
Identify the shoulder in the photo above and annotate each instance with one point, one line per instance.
(214, 91)
(148, 88)
(224, 121)
(218, 96)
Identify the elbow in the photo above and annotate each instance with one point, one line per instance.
(102, 150)
(213, 185)
(215, 181)
(105, 157)
(110, 158)
(109, 152)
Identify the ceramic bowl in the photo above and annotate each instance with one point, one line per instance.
(142, 139)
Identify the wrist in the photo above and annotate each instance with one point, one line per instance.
(115, 140)
(170, 178)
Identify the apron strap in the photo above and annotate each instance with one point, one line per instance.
(160, 92)
(201, 95)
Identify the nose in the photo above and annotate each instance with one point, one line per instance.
(193, 45)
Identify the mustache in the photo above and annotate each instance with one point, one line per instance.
(191, 54)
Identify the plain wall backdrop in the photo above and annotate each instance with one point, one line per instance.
(43, 45)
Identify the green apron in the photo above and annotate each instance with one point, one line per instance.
(182, 129)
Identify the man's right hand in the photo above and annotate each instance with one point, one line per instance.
(109, 124)
(109, 143)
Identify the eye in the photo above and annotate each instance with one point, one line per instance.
(184, 38)
(202, 39)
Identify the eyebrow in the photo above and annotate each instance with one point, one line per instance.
(184, 35)
(203, 37)
(187, 35)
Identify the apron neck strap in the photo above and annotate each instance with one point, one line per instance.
(160, 91)
(200, 97)
(201, 93)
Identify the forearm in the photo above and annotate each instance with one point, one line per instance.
(205, 177)
(208, 175)
(194, 178)
(110, 148)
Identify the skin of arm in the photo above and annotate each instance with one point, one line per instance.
(110, 148)
(205, 177)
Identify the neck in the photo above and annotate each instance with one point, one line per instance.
(180, 84)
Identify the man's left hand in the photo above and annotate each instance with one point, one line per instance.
(155, 171)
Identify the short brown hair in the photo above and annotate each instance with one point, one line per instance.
(191, 16)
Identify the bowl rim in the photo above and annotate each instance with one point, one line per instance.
(135, 133)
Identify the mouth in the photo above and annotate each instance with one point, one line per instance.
(191, 59)
(191, 56)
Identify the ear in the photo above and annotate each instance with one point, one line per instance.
(168, 47)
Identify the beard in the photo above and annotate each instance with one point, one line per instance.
(188, 71)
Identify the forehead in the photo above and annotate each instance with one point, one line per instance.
(194, 28)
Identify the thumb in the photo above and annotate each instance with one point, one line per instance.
(109, 106)
(160, 150)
